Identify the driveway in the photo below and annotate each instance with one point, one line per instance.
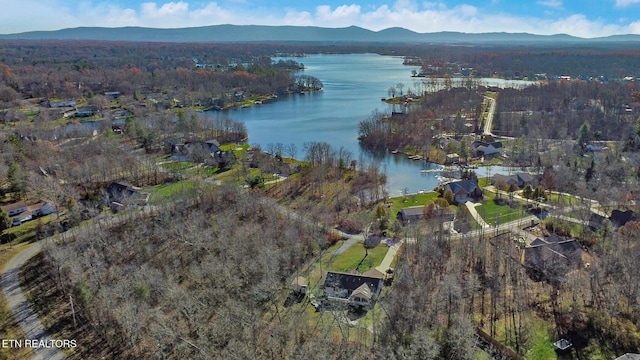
(17, 303)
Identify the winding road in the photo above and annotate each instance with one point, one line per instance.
(17, 303)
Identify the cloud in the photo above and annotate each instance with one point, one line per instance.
(151, 10)
(339, 14)
(625, 3)
(556, 4)
(417, 15)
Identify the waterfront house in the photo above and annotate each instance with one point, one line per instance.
(480, 149)
(411, 213)
(463, 191)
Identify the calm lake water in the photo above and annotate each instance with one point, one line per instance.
(353, 87)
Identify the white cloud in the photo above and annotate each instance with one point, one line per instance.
(420, 16)
(634, 27)
(325, 13)
(624, 3)
(556, 4)
(151, 10)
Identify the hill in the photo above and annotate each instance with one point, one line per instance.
(259, 33)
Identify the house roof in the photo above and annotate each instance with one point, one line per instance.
(363, 291)
(120, 191)
(373, 273)
(518, 179)
(544, 252)
(14, 206)
(413, 211)
(537, 242)
(351, 282)
(462, 187)
(212, 142)
(524, 177)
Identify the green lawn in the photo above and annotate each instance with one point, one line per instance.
(160, 194)
(492, 212)
(353, 256)
(178, 165)
(540, 342)
(202, 171)
(28, 229)
(562, 200)
(411, 200)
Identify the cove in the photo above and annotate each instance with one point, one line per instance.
(353, 87)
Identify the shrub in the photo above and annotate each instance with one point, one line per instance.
(332, 237)
(350, 226)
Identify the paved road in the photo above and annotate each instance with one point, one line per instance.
(17, 303)
(488, 125)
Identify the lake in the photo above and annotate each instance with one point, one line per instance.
(354, 85)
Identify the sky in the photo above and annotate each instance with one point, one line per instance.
(582, 18)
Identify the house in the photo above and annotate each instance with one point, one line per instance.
(486, 149)
(411, 213)
(416, 213)
(15, 208)
(21, 212)
(519, 179)
(353, 289)
(86, 111)
(192, 147)
(466, 190)
(20, 218)
(120, 193)
(42, 208)
(59, 104)
(550, 258)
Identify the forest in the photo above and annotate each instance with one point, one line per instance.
(203, 270)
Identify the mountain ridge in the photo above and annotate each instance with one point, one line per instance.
(288, 33)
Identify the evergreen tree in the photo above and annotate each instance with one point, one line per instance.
(5, 220)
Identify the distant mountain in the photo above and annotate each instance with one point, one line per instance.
(259, 33)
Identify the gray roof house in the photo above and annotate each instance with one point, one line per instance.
(120, 193)
(355, 290)
(550, 258)
(463, 191)
(411, 213)
(519, 179)
(479, 148)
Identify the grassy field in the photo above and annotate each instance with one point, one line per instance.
(411, 200)
(493, 213)
(355, 257)
(160, 194)
(28, 229)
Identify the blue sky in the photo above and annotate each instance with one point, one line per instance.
(584, 18)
